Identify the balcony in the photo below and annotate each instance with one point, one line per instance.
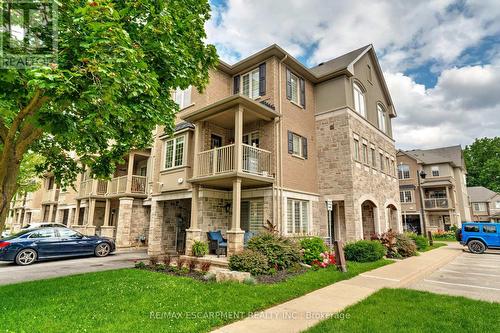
(437, 203)
(115, 187)
(51, 195)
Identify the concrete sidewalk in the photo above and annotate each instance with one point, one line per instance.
(305, 311)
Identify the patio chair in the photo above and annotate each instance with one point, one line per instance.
(217, 244)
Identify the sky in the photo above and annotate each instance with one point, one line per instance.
(440, 58)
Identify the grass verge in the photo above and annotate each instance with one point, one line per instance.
(403, 310)
(132, 300)
(434, 246)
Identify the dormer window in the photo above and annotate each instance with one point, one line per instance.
(382, 125)
(359, 100)
(183, 97)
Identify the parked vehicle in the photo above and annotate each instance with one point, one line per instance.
(5, 233)
(31, 245)
(480, 236)
(43, 225)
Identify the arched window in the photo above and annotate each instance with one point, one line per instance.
(382, 125)
(359, 100)
(403, 171)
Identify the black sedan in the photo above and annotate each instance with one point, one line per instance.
(28, 246)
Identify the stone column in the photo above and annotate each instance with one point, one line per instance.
(235, 235)
(58, 215)
(71, 216)
(196, 139)
(90, 227)
(51, 212)
(194, 232)
(124, 222)
(155, 243)
(77, 213)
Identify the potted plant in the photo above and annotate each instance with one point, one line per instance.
(199, 249)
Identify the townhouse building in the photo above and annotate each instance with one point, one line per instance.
(268, 143)
(433, 188)
(484, 204)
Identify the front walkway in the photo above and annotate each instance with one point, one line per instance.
(303, 312)
(11, 273)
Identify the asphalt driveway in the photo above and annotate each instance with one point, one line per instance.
(471, 275)
(11, 273)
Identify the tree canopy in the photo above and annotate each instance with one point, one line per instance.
(117, 63)
(482, 159)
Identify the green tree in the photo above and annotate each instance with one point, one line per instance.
(482, 159)
(118, 61)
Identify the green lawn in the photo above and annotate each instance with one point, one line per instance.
(434, 246)
(123, 300)
(403, 310)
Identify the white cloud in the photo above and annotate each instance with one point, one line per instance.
(464, 104)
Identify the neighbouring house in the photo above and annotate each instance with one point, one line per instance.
(436, 178)
(268, 142)
(484, 204)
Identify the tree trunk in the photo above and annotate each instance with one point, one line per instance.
(9, 170)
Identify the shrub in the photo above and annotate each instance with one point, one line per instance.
(280, 252)
(140, 265)
(312, 248)
(406, 246)
(364, 251)
(444, 235)
(326, 259)
(167, 260)
(205, 266)
(180, 263)
(388, 240)
(420, 241)
(191, 264)
(249, 261)
(153, 260)
(199, 248)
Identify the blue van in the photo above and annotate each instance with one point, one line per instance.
(480, 236)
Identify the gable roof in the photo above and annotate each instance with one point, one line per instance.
(480, 194)
(342, 65)
(451, 155)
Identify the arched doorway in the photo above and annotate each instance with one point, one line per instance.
(368, 218)
(392, 217)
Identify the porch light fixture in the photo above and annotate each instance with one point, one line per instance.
(423, 174)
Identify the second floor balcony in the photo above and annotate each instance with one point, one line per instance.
(51, 195)
(436, 203)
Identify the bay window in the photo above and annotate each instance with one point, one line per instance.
(174, 152)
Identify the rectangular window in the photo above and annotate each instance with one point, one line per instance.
(435, 171)
(471, 228)
(387, 165)
(294, 80)
(369, 72)
(365, 152)
(490, 229)
(406, 196)
(381, 160)
(497, 205)
(250, 84)
(374, 157)
(479, 206)
(393, 168)
(356, 148)
(183, 97)
(297, 145)
(403, 171)
(174, 152)
(381, 119)
(251, 139)
(298, 216)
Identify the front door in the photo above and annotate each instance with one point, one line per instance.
(215, 141)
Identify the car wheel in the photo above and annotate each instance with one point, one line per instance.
(26, 257)
(476, 246)
(102, 250)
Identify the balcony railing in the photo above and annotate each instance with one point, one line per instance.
(51, 195)
(221, 160)
(139, 184)
(117, 185)
(93, 186)
(436, 203)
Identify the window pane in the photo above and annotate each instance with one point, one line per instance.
(290, 217)
(490, 229)
(296, 145)
(246, 85)
(169, 152)
(255, 83)
(471, 228)
(295, 87)
(179, 151)
(305, 216)
(296, 215)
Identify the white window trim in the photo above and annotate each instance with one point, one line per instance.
(250, 87)
(301, 145)
(357, 155)
(297, 90)
(309, 216)
(382, 118)
(251, 135)
(435, 168)
(404, 196)
(359, 99)
(184, 153)
(185, 97)
(403, 172)
(497, 204)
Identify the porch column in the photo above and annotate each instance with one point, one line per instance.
(124, 222)
(238, 137)
(90, 227)
(194, 232)
(197, 136)
(235, 235)
(106, 229)
(71, 216)
(51, 213)
(130, 172)
(155, 244)
(448, 198)
(77, 212)
(58, 213)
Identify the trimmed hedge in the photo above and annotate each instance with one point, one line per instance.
(420, 241)
(312, 248)
(406, 246)
(249, 261)
(364, 251)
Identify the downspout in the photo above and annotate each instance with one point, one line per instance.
(280, 147)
